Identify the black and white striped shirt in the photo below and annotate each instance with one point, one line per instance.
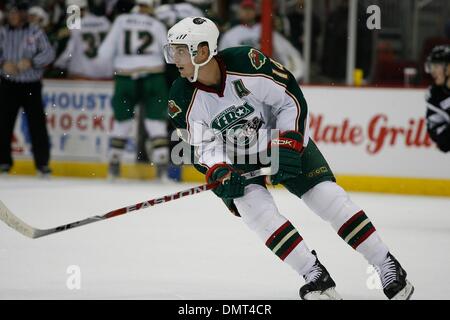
(438, 116)
(28, 42)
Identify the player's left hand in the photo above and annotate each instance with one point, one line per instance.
(290, 146)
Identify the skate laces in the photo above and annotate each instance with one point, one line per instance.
(387, 272)
(314, 273)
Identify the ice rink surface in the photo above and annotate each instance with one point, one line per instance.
(193, 248)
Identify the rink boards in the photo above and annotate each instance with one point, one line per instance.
(374, 138)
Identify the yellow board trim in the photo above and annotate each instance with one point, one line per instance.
(85, 169)
(396, 185)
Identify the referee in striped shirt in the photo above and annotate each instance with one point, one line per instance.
(24, 53)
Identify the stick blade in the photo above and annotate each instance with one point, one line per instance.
(14, 222)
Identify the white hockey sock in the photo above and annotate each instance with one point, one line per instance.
(260, 214)
(121, 129)
(118, 139)
(159, 142)
(332, 203)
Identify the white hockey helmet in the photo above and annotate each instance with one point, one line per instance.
(79, 3)
(192, 31)
(149, 3)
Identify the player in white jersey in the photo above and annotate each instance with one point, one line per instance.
(81, 49)
(170, 14)
(248, 33)
(134, 47)
(235, 96)
(174, 12)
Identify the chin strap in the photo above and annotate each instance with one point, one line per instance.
(194, 78)
(197, 67)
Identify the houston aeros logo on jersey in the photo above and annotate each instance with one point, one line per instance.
(234, 126)
(232, 117)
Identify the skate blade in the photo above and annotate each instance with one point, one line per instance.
(405, 293)
(44, 176)
(165, 180)
(111, 177)
(329, 294)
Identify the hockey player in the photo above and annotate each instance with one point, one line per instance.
(238, 88)
(173, 12)
(135, 45)
(80, 52)
(438, 98)
(248, 33)
(170, 14)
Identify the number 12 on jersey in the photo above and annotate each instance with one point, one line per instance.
(145, 39)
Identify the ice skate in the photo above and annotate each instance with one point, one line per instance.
(319, 284)
(4, 169)
(114, 168)
(44, 172)
(393, 279)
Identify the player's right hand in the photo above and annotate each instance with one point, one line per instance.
(290, 148)
(232, 184)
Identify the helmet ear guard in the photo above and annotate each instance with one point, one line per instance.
(193, 31)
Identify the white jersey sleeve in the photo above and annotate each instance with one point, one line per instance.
(227, 41)
(241, 36)
(288, 55)
(64, 58)
(170, 14)
(108, 48)
(209, 147)
(208, 144)
(284, 105)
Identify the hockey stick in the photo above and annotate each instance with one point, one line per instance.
(20, 226)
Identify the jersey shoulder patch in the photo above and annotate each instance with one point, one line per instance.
(257, 58)
(180, 98)
(245, 59)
